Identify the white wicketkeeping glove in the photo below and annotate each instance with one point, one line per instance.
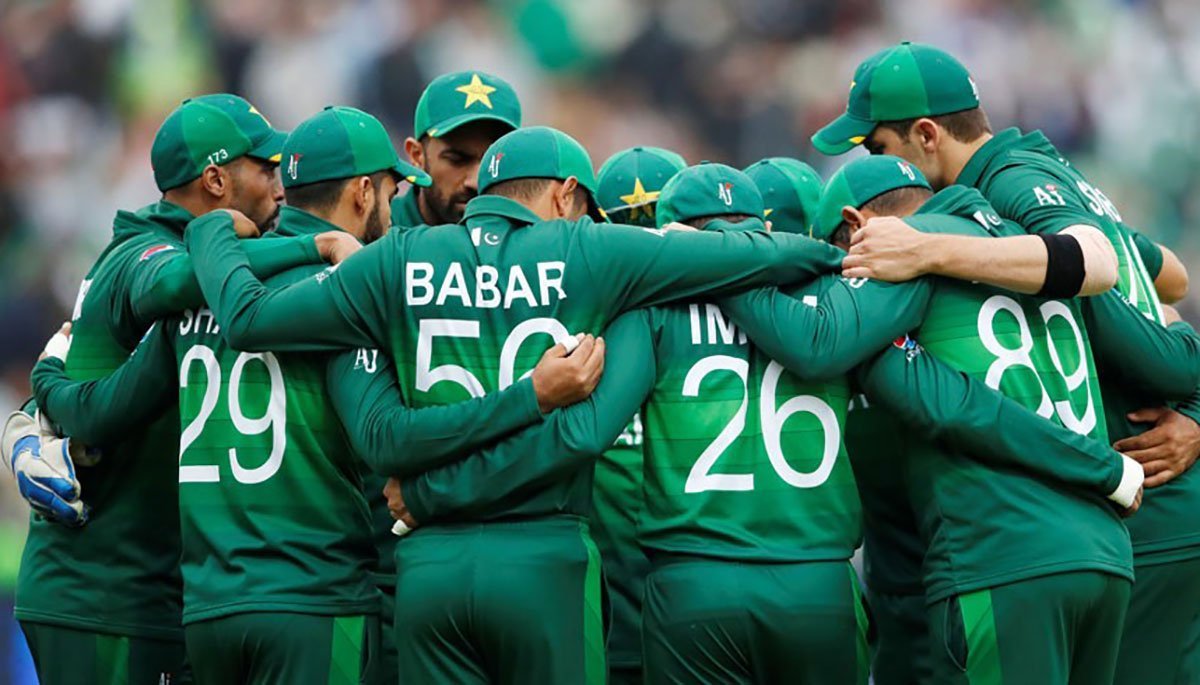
(43, 469)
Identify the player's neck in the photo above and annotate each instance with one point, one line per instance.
(958, 154)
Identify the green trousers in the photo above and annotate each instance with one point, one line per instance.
(382, 669)
(66, 656)
(712, 621)
(900, 654)
(506, 602)
(1062, 629)
(1161, 641)
(276, 648)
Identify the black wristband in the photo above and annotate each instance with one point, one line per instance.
(1064, 266)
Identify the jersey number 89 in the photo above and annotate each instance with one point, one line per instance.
(700, 479)
(1023, 355)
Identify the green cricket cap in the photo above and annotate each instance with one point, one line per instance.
(708, 189)
(628, 184)
(210, 129)
(539, 152)
(791, 191)
(451, 100)
(342, 142)
(859, 182)
(904, 81)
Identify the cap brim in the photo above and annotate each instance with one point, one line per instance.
(412, 174)
(270, 149)
(443, 127)
(842, 134)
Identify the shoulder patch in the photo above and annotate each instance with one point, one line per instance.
(157, 249)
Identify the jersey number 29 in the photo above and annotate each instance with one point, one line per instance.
(275, 418)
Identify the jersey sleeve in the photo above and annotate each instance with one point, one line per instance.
(940, 403)
(105, 410)
(341, 307)
(647, 267)
(1149, 251)
(164, 282)
(1161, 361)
(1038, 201)
(851, 321)
(568, 440)
(395, 440)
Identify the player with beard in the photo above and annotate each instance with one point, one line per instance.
(277, 549)
(102, 602)
(458, 116)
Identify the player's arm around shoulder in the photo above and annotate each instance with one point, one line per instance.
(941, 403)
(1044, 206)
(103, 411)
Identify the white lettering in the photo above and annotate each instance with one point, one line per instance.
(424, 281)
(548, 282)
(454, 285)
(518, 287)
(487, 295)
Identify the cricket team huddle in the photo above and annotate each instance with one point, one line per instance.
(528, 422)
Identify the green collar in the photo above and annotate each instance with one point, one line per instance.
(168, 215)
(406, 212)
(163, 216)
(295, 222)
(972, 173)
(494, 205)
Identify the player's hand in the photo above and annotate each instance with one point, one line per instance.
(58, 345)
(242, 225)
(1137, 504)
(564, 377)
(1166, 450)
(336, 246)
(395, 502)
(43, 470)
(1170, 315)
(886, 249)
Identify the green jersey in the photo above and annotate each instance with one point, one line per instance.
(616, 508)
(1031, 183)
(465, 311)
(1035, 352)
(1027, 181)
(264, 465)
(68, 576)
(743, 460)
(877, 442)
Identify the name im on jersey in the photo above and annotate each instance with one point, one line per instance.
(710, 326)
(198, 322)
(483, 286)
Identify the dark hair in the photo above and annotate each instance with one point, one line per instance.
(964, 126)
(885, 204)
(527, 189)
(701, 221)
(323, 196)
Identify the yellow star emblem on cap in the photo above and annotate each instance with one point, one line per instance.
(638, 199)
(476, 91)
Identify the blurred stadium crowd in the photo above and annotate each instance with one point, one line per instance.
(84, 84)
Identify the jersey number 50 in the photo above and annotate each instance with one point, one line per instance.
(700, 479)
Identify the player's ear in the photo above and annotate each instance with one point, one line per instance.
(927, 134)
(415, 151)
(215, 181)
(853, 218)
(564, 199)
